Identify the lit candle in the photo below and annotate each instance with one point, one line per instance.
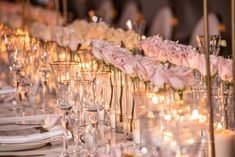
(112, 119)
(136, 132)
(101, 115)
(224, 142)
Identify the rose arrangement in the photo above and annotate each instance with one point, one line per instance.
(83, 32)
(13, 11)
(100, 30)
(63, 36)
(183, 55)
(144, 67)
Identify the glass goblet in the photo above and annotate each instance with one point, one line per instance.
(214, 44)
(65, 76)
(16, 46)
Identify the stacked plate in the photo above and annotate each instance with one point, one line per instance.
(7, 93)
(29, 132)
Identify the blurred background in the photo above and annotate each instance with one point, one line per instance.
(178, 20)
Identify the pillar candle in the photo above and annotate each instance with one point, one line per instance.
(112, 119)
(136, 131)
(224, 143)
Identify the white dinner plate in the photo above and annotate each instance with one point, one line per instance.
(30, 145)
(11, 127)
(21, 146)
(6, 147)
(35, 118)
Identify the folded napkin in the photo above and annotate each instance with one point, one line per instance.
(7, 91)
(53, 132)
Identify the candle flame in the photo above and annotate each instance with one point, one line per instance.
(173, 143)
(190, 141)
(129, 24)
(21, 32)
(143, 37)
(167, 136)
(219, 126)
(67, 76)
(167, 117)
(1, 26)
(195, 114)
(155, 100)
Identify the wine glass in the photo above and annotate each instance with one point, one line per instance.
(214, 44)
(65, 76)
(16, 46)
(92, 104)
(44, 70)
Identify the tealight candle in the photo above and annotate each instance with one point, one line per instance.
(136, 132)
(101, 115)
(224, 143)
(112, 119)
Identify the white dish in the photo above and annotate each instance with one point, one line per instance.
(10, 120)
(53, 132)
(7, 91)
(14, 146)
(27, 146)
(11, 127)
(21, 146)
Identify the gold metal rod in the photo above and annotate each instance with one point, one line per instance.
(233, 43)
(65, 10)
(27, 11)
(57, 9)
(23, 12)
(209, 93)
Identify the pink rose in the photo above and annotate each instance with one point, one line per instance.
(213, 65)
(103, 50)
(176, 82)
(160, 76)
(96, 48)
(145, 67)
(225, 69)
(123, 60)
(194, 60)
(128, 65)
(180, 78)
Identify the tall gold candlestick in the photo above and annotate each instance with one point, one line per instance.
(23, 12)
(65, 10)
(233, 43)
(57, 9)
(209, 94)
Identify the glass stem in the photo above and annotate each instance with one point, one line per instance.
(44, 94)
(18, 96)
(65, 122)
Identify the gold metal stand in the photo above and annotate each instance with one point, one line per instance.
(208, 82)
(65, 11)
(233, 43)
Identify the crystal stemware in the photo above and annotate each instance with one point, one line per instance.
(65, 76)
(92, 104)
(214, 49)
(214, 44)
(16, 46)
(44, 70)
